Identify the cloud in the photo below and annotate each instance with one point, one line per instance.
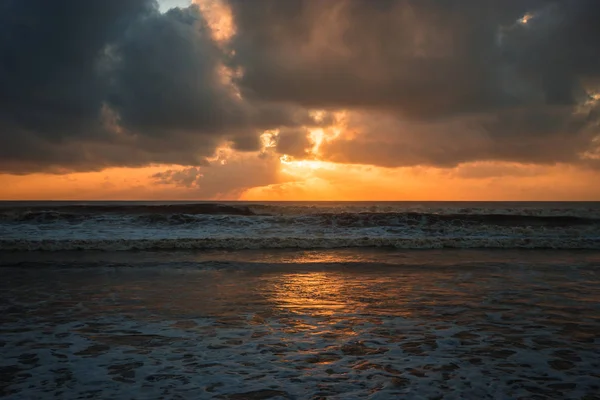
(543, 135)
(165, 5)
(422, 58)
(225, 177)
(118, 83)
(294, 142)
(50, 91)
(430, 82)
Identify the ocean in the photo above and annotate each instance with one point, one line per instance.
(300, 300)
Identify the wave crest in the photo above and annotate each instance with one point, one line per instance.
(244, 216)
(302, 243)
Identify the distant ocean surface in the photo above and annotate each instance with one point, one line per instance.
(118, 226)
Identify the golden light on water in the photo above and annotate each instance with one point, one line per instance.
(314, 292)
(336, 293)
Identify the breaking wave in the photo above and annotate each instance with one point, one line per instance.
(162, 216)
(82, 212)
(51, 227)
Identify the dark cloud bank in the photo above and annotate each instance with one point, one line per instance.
(90, 84)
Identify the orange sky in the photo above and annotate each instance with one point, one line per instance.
(324, 181)
(270, 176)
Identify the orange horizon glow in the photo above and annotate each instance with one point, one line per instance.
(316, 180)
(313, 179)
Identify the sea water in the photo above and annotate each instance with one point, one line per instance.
(300, 300)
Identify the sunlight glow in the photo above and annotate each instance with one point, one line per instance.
(221, 155)
(526, 18)
(594, 152)
(303, 168)
(321, 135)
(228, 75)
(317, 136)
(319, 180)
(589, 103)
(317, 115)
(220, 21)
(268, 140)
(219, 18)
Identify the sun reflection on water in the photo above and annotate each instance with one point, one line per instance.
(317, 292)
(338, 294)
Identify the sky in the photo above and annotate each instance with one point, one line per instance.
(300, 100)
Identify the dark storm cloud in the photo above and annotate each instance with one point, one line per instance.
(423, 58)
(165, 76)
(50, 91)
(90, 84)
(435, 82)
